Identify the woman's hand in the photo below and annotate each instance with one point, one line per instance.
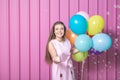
(56, 60)
(74, 50)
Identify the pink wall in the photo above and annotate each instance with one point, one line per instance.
(24, 29)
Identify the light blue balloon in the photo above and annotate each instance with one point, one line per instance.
(101, 42)
(83, 42)
(78, 24)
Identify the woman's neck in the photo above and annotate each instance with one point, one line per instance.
(59, 39)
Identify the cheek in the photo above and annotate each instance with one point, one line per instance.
(62, 31)
(55, 32)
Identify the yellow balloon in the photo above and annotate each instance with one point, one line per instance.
(95, 24)
(80, 56)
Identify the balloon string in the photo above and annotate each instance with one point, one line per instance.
(82, 70)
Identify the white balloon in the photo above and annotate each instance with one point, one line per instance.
(84, 14)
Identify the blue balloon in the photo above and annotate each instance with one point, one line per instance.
(101, 42)
(83, 43)
(78, 24)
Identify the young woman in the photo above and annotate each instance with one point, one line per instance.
(58, 53)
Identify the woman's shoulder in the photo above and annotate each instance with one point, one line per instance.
(52, 41)
(67, 40)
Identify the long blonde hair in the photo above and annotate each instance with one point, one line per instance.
(52, 36)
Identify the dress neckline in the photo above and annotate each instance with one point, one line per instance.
(60, 41)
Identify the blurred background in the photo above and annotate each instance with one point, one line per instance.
(25, 27)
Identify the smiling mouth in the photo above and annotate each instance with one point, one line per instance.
(59, 33)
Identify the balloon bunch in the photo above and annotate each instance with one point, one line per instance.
(86, 35)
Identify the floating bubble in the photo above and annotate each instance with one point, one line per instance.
(110, 33)
(116, 39)
(105, 65)
(109, 62)
(116, 6)
(110, 66)
(119, 72)
(98, 61)
(103, 60)
(95, 63)
(115, 53)
(118, 17)
(118, 27)
(108, 13)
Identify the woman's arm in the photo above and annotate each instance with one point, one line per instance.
(53, 52)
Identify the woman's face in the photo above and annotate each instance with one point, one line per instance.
(59, 31)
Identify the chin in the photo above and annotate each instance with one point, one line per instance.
(60, 36)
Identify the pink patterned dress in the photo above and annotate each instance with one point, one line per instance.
(63, 70)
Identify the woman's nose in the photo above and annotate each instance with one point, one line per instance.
(59, 30)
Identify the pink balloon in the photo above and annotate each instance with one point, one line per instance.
(84, 14)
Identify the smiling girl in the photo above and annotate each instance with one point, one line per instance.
(58, 53)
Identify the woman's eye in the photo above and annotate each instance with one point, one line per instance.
(62, 29)
(56, 29)
(59, 29)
